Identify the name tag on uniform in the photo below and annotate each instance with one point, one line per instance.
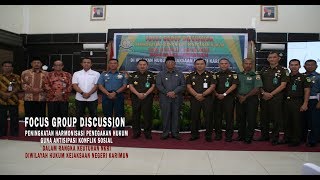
(147, 85)
(205, 85)
(10, 88)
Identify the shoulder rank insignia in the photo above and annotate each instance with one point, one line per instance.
(287, 72)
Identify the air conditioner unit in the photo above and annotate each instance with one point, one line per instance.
(273, 47)
(94, 46)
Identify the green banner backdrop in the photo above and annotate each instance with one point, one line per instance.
(128, 48)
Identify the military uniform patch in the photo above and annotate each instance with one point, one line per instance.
(258, 77)
(235, 76)
(214, 76)
(308, 79)
(287, 72)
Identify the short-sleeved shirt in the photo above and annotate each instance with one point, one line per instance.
(86, 80)
(273, 77)
(31, 79)
(112, 81)
(248, 81)
(200, 82)
(12, 80)
(224, 80)
(295, 86)
(314, 79)
(141, 82)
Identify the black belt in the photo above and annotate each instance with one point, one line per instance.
(292, 97)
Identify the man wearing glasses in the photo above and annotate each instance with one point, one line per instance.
(58, 86)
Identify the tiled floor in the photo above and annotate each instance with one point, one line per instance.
(155, 161)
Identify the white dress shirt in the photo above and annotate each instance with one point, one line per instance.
(86, 81)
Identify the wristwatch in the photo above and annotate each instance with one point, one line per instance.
(224, 94)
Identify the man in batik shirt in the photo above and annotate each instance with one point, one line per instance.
(34, 90)
(58, 87)
(9, 101)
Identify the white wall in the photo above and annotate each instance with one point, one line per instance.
(63, 19)
(291, 18)
(76, 19)
(11, 18)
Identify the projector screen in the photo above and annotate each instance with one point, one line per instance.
(304, 51)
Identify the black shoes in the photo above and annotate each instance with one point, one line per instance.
(148, 136)
(239, 138)
(193, 138)
(135, 136)
(293, 144)
(274, 142)
(218, 138)
(262, 139)
(311, 145)
(177, 137)
(164, 137)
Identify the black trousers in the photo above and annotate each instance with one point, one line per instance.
(35, 109)
(247, 115)
(14, 120)
(292, 120)
(271, 111)
(207, 108)
(224, 108)
(81, 108)
(144, 106)
(57, 109)
(311, 121)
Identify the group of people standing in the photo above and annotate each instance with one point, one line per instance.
(290, 101)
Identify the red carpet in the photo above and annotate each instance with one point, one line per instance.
(199, 144)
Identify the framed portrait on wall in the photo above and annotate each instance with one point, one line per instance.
(98, 13)
(269, 12)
